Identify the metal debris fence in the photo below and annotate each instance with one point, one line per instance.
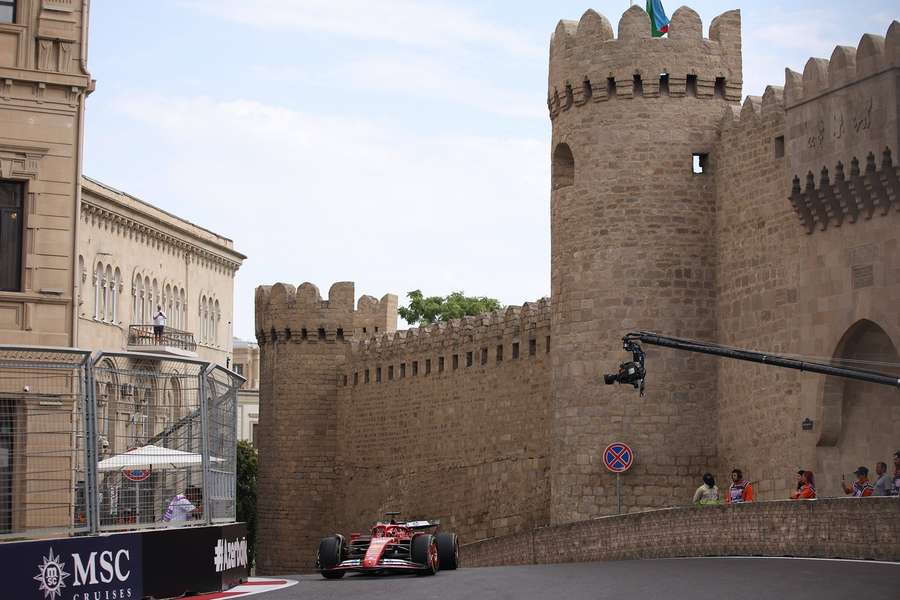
(112, 441)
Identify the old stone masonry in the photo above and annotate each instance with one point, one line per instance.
(788, 241)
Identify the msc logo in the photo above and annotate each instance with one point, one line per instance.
(112, 569)
(51, 576)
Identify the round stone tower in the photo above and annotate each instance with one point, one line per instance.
(633, 226)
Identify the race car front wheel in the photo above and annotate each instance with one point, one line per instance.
(331, 549)
(448, 550)
(424, 551)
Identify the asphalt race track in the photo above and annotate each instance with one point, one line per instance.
(694, 579)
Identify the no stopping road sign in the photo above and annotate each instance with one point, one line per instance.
(618, 457)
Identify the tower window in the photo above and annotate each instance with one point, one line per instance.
(664, 84)
(720, 87)
(500, 353)
(468, 359)
(691, 89)
(532, 347)
(638, 89)
(484, 356)
(700, 163)
(563, 168)
(390, 372)
(586, 91)
(515, 350)
(779, 147)
(455, 361)
(611, 87)
(415, 368)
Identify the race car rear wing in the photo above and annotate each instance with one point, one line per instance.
(422, 524)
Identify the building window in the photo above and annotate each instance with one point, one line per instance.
(484, 356)
(515, 350)
(468, 359)
(11, 216)
(7, 11)
(779, 146)
(415, 368)
(440, 364)
(532, 347)
(455, 361)
(239, 369)
(700, 163)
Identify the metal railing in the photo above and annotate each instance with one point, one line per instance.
(147, 335)
(113, 441)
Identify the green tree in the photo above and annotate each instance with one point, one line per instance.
(434, 309)
(246, 494)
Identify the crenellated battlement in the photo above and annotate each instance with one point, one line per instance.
(873, 55)
(509, 322)
(286, 313)
(754, 111)
(589, 64)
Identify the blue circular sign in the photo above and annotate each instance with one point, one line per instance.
(618, 457)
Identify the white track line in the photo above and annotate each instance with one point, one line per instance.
(853, 560)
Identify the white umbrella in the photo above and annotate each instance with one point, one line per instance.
(152, 457)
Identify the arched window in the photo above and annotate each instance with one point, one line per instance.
(184, 310)
(107, 294)
(98, 277)
(563, 168)
(146, 305)
(217, 316)
(137, 297)
(116, 292)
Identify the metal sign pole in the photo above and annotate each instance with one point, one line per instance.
(619, 492)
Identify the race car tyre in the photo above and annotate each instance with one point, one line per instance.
(448, 550)
(331, 550)
(424, 551)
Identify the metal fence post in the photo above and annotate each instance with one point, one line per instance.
(91, 487)
(204, 441)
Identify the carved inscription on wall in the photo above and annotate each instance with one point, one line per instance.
(852, 120)
(862, 271)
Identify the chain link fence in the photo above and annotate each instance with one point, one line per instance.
(113, 441)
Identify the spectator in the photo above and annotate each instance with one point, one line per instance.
(882, 485)
(741, 490)
(159, 324)
(861, 488)
(807, 489)
(895, 488)
(707, 493)
(186, 506)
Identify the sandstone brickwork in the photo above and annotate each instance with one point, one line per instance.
(786, 241)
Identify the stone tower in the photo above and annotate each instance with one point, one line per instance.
(304, 341)
(633, 248)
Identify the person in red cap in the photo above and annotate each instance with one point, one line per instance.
(861, 488)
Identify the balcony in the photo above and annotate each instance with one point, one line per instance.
(143, 338)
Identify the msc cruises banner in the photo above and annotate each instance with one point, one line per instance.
(87, 568)
(160, 563)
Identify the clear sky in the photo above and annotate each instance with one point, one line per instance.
(399, 144)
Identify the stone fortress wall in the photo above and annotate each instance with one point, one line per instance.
(358, 418)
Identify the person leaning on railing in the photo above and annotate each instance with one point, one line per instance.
(806, 486)
(861, 488)
(707, 494)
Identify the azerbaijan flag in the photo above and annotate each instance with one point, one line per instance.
(659, 22)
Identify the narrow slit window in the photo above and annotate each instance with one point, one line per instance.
(720, 87)
(484, 356)
(611, 87)
(428, 366)
(440, 364)
(468, 359)
(340, 333)
(415, 368)
(303, 334)
(500, 353)
(532, 347)
(779, 146)
(356, 378)
(321, 333)
(664, 84)
(367, 376)
(402, 370)
(691, 86)
(345, 381)
(378, 375)
(515, 350)
(700, 162)
(455, 361)
(547, 345)
(586, 91)
(390, 372)
(638, 89)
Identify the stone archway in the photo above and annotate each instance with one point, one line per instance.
(860, 421)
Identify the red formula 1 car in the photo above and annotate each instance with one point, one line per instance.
(411, 546)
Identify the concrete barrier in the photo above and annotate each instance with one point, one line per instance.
(859, 528)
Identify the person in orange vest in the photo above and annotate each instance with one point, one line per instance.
(741, 490)
(807, 487)
(861, 488)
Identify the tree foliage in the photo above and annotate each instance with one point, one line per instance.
(434, 309)
(246, 493)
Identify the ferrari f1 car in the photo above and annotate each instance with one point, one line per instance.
(404, 546)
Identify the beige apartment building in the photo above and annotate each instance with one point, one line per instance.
(83, 265)
(246, 364)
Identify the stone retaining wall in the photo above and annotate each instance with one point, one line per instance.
(831, 528)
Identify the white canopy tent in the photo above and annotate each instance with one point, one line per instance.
(152, 457)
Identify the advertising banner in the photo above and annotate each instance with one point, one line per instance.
(87, 568)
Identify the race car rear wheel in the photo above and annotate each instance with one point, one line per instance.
(331, 551)
(424, 551)
(448, 550)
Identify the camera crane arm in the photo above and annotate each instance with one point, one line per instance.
(634, 375)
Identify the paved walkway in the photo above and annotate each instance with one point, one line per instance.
(693, 579)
